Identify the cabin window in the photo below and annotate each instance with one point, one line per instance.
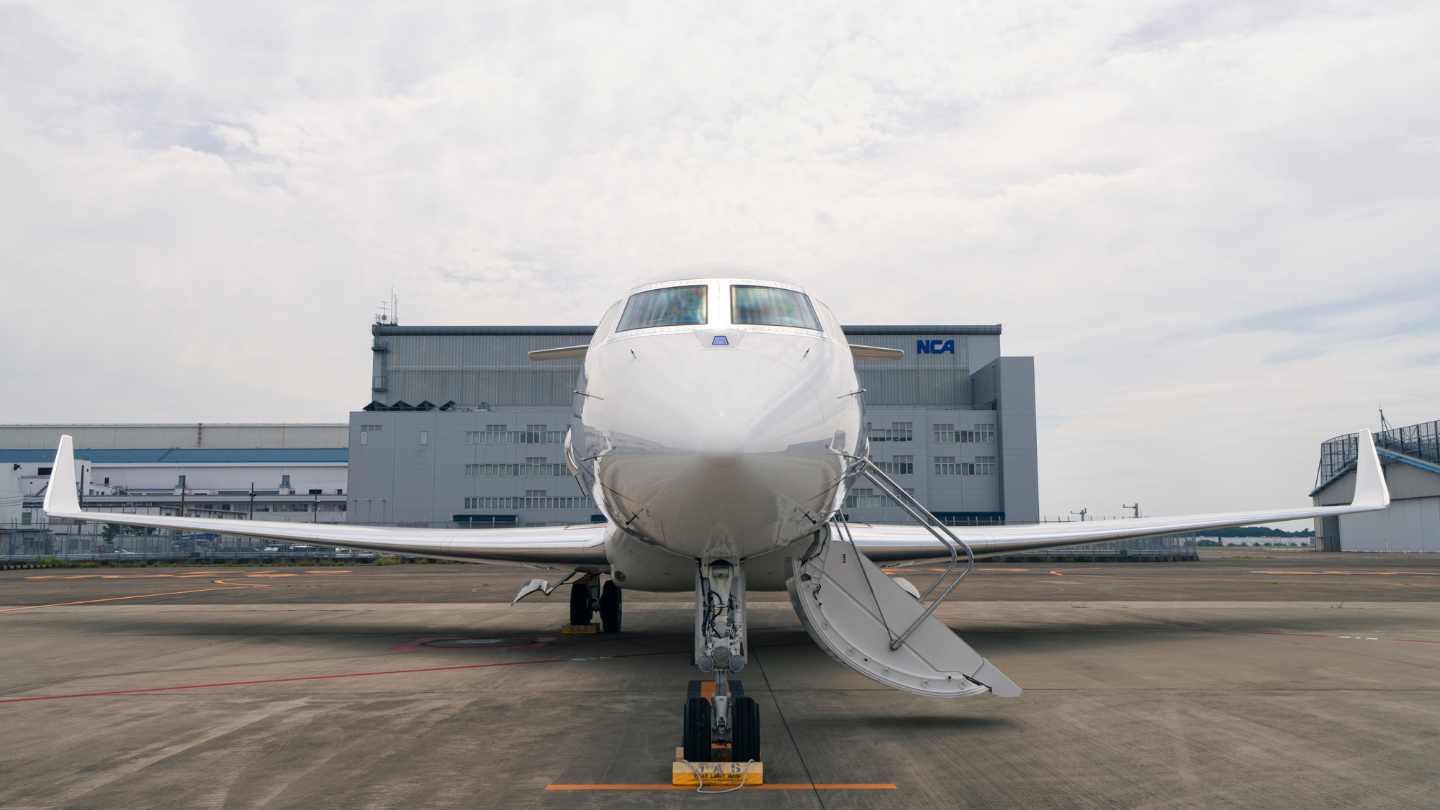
(670, 306)
(771, 306)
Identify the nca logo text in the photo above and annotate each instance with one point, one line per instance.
(934, 347)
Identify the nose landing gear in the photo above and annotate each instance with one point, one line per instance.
(720, 647)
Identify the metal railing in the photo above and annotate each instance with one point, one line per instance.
(933, 525)
(1420, 441)
(1338, 455)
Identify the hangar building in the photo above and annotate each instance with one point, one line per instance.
(463, 429)
(1410, 457)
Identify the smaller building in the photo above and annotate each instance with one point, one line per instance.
(230, 471)
(1410, 458)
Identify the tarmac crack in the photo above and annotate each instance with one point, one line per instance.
(809, 777)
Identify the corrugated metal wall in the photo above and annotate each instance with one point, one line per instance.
(495, 370)
(474, 369)
(915, 379)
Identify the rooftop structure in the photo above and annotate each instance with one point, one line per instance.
(1411, 461)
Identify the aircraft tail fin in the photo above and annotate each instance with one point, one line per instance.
(1370, 488)
(61, 497)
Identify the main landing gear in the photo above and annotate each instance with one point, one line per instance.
(720, 647)
(587, 596)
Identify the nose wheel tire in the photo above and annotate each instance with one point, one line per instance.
(580, 612)
(610, 607)
(697, 729)
(745, 745)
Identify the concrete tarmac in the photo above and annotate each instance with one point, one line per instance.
(1250, 679)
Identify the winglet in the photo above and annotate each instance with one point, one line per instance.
(60, 494)
(1370, 489)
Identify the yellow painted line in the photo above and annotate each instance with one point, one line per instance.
(138, 596)
(1353, 573)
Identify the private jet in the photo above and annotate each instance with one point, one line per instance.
(718, 426)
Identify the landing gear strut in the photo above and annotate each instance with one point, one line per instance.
(720, 639)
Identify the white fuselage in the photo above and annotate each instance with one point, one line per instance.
(718, 439)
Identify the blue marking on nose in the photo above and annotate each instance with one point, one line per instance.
(719, 341)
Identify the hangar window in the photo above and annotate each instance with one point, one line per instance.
(370, 428)
(982, 465)
(897, 432)
(899, 465)
(867, 499)
(531, 467)
(981, 434)
(771, 306)
(533, 499)
(669, 306)
(945, 434)
(499, 434)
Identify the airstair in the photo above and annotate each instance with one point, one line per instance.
(882, 627)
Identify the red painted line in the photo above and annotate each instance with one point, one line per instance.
(416, 645)
(1155, 629)
(284, 680)
(359, 675)
(690, 787)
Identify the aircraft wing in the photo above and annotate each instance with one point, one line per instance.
(566, 547)
(895, 544)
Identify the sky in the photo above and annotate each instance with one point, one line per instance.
(1213, 224)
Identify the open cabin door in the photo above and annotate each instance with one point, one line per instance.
(854, 612)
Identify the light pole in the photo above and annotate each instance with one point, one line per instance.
(1135, 506)
(1082, 513)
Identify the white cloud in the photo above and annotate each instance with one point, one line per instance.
(1212, 224)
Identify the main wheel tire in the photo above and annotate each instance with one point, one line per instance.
(610, 607)
(745, 744)
(580, 612)
(697, 729)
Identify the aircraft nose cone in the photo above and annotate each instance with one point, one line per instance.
(720, 454)
(722, 451)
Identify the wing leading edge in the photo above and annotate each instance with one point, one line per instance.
(574, 547)
(894, 544)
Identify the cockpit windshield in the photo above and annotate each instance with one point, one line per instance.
(771, 306)
(668, 306)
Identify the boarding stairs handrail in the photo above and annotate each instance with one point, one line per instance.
(927, 519)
